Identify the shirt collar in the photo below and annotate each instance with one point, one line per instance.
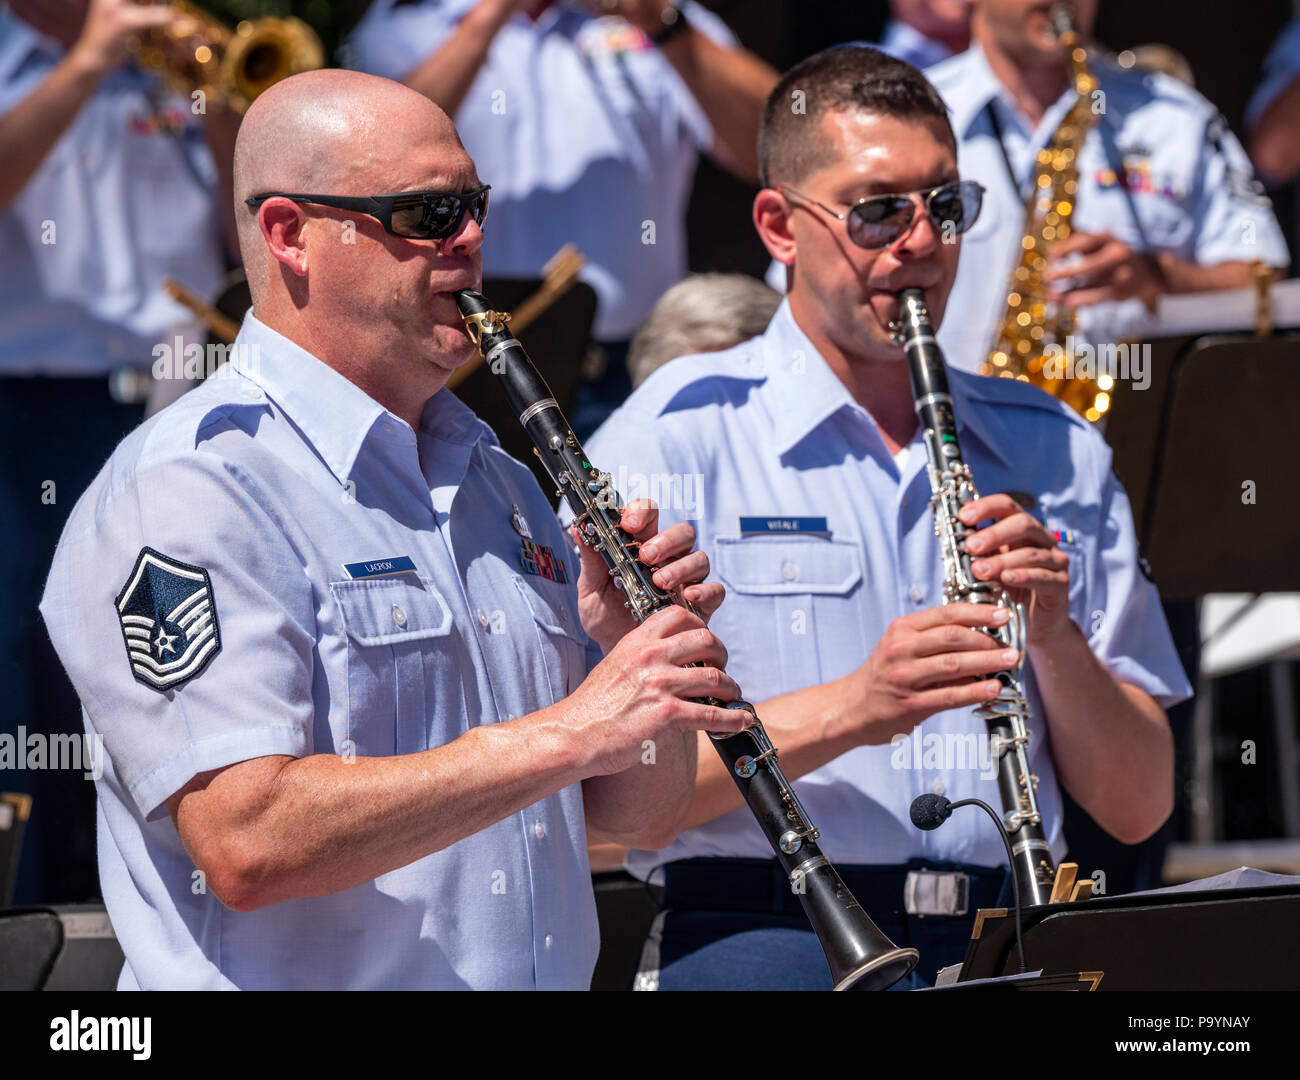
(978, 86)
(19, 41)
(805, 393)
(908, 43)
(334, 414)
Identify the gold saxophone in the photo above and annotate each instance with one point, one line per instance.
(230, 66)
(1032, 322)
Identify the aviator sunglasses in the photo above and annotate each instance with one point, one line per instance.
(414, 215)
(876, 221)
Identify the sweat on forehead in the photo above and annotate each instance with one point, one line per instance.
(321, 129)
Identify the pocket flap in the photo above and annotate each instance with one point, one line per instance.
(776, 565)
(385, 611)
(557, 613)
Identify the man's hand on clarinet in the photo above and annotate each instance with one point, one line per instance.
(925, 663)
(602, 604)
(641, 692)
(1016, 551)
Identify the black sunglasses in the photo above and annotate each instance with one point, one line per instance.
(414, 215)
(876, 221)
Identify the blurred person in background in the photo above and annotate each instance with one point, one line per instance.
(926, 32)
(701, 313)
(588, 119)
(1273, 114)
(110, 185)
(1167, 201)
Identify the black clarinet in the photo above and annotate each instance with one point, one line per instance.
(858, 954)
(952, 488)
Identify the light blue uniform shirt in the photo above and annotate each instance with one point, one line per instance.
(586, 134)
(1190, 191)
(842, 543)
(266, 481)
(126, 197)
(904, 42)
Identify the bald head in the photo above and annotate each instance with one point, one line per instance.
(331, 132)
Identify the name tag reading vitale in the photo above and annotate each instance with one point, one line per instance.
(398, 564)
(776, 524)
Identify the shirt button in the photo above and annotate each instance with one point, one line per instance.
(938, 788)
(539, 830)
(789, 570)
(564, 615)
(252, 392)
(916, 594)
(483, 618)
(399, 616)
(550, 940)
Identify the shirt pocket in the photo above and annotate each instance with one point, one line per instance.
(401, 664)
(792, 611)
(561, 641)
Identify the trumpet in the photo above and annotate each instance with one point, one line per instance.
(200, 53)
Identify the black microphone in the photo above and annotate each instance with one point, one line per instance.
(930, 811)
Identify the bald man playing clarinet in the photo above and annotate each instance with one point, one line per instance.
(359, 699)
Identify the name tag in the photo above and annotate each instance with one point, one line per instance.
(784, 525)
(399, 564)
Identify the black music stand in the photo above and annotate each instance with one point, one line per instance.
(60, 947)
(556, 342)
(1214, 417)
(1225, 939)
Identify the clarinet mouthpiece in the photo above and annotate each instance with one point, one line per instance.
(471, 302)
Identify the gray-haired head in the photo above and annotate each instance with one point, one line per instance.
(701, 313)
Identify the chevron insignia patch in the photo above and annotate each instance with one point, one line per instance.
(169, 620)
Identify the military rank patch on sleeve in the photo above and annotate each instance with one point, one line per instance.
(168, 619)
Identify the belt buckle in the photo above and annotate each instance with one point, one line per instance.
(936, 892)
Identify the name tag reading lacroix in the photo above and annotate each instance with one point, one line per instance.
(398, 564)
(784, 525)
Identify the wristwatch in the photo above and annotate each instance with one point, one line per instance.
(674, 20)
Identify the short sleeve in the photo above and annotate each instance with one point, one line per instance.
(1235, 217)
(1126, 627)
(182, 614)
(392, 40)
